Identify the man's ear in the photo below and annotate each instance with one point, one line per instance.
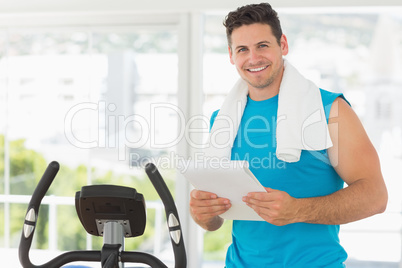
(230, 55)
(284, 45)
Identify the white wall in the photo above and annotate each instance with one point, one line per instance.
(23, 6)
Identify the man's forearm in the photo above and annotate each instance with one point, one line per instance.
(357, 201)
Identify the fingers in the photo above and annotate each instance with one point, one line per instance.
(206, 205)
(274, 206)
(201, 195)
(208, 201)
(268, 196)
(270, 211)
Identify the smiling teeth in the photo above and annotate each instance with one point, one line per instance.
(257, 69)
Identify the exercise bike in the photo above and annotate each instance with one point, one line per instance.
(114, 212)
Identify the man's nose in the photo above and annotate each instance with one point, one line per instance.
(254, 56)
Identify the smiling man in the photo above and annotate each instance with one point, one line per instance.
(257, 55)
(306, 199)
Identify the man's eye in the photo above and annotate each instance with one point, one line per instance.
(242, 49)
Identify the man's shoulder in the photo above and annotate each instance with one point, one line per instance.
(328, 97)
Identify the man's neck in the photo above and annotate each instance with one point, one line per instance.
(260, 94)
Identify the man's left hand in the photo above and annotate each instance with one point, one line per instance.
(274, 206)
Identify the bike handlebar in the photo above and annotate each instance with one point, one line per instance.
(92, 256)
(33, 211)
(173, 221)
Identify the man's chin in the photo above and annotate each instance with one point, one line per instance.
(259, 84)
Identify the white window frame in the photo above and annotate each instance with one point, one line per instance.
(189, 28)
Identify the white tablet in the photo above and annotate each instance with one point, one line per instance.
(232, 180)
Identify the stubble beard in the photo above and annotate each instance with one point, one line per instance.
(261, 84)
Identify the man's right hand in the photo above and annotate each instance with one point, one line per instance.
(205, 208)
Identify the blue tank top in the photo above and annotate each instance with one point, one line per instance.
(259, 244)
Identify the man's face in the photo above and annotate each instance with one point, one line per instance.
(257, 56)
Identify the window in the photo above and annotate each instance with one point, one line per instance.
(84, 97)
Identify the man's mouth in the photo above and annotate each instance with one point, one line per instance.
(257, 69)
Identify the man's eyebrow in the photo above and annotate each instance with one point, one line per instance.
(264, 42)
(239, 46)
(259, 43)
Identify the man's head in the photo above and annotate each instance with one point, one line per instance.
(250, 14)
(256, 48)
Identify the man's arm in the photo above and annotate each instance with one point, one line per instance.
(355, 160)
(205, 209)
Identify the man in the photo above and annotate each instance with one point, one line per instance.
(305, 202)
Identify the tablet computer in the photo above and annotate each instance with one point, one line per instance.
(232, 180)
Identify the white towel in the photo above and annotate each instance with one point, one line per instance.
(301, 122)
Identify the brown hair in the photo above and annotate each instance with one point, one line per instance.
(250, 14)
